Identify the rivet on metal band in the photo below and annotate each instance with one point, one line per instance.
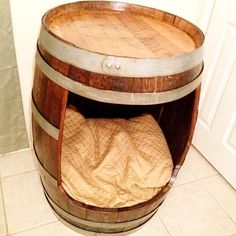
(109, 65)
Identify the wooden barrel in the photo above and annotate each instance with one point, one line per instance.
(120, 59)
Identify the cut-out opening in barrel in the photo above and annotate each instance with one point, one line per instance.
(113, 155)
(177, 121)
(99, 179)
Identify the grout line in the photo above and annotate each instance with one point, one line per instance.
(213, 174)
(29, 229)
(201, 156)
(205, 177)
(189, 169)
(16, 152)
(4, 208)
(199, 178)
(183, 184)
(21, 173)
(218, 203)
(194, 181)
(162, 222)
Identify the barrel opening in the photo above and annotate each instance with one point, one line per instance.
(176, 119)
(113, 155)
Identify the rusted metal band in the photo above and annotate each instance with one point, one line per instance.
(43, 123)
(114, 96)
(115, 65)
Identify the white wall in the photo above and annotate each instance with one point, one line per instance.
(26, 20)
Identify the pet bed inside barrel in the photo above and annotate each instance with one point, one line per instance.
(113, 162)
(114, 104)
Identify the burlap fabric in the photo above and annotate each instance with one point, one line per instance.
(113, 162)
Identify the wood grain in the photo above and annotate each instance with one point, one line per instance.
(46, 149)
(178, 121)
(48, 98)
(50, 101)
(119, 34)
(122, 29)
(122, 84)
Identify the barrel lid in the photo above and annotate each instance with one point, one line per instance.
(121, 33)
(121, 39)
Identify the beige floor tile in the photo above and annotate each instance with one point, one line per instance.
(153, 227)
(17, 163)
(190, 210)
(185, 175)
(25, 204)
(3, 230)
(56, 228)
(199, 166)
(223, 192)
(75, 229)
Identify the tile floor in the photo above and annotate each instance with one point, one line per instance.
(200, 203)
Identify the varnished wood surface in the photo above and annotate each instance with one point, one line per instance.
(46, 149)
(123, 29)
(178, 121)
(99, 226)
(119, 34)
(122, 84)
(50, 101)
(48, 98)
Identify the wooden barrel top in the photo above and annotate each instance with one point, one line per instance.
(121, 39)
(122, 29)
(121, 34)
(120, 50)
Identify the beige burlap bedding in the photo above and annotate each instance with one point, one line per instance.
(113, 162)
